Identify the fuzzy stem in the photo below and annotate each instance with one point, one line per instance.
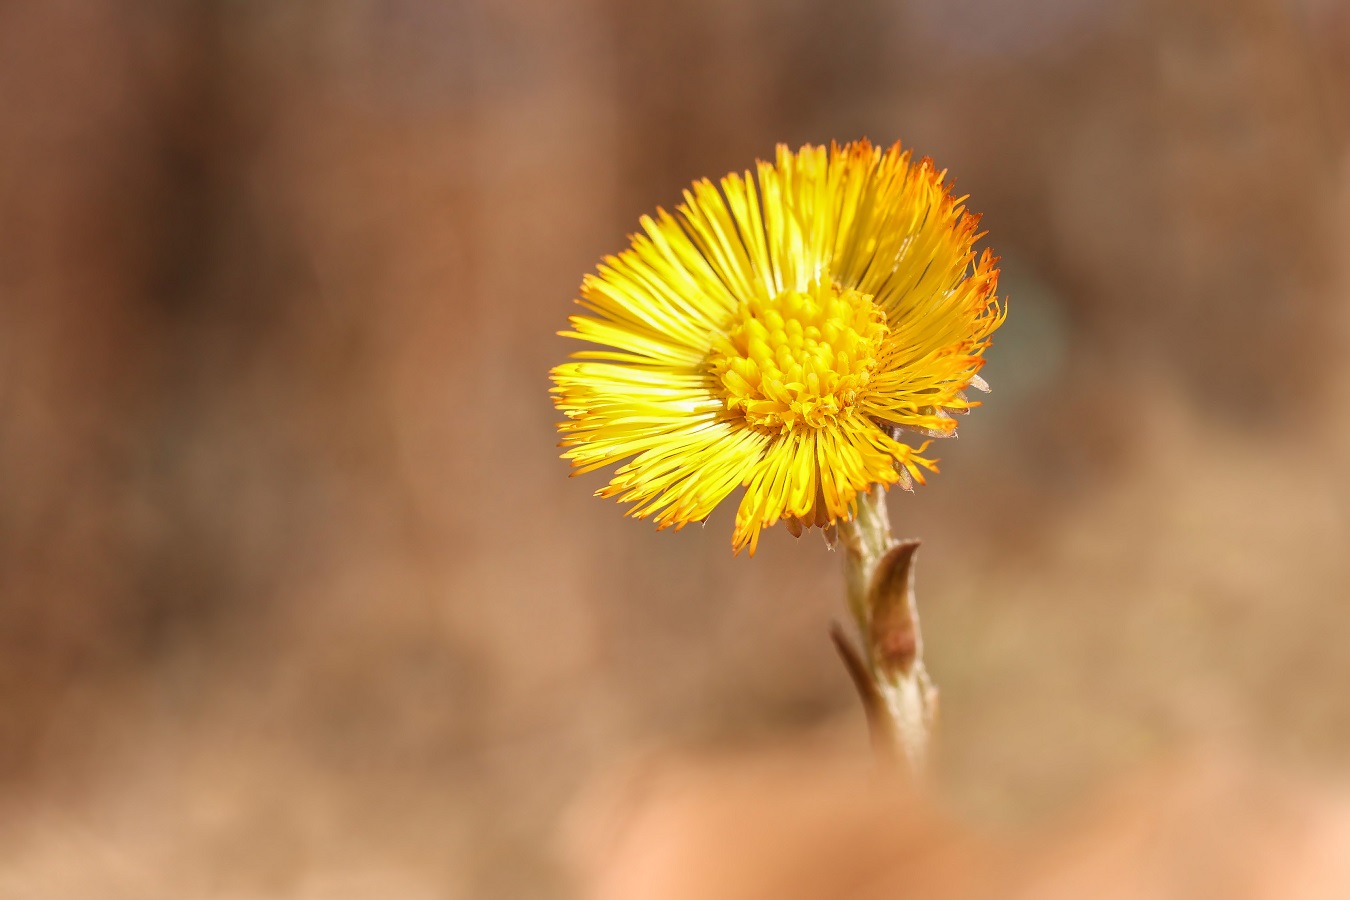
(897, 694)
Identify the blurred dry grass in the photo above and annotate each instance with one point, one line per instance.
(295, 599)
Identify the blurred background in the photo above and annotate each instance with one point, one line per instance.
(296, 599)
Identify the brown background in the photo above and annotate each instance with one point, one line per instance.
(296, 599)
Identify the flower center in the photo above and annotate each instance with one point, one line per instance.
(800, 358)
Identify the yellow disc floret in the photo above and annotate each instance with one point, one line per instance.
(799, 359)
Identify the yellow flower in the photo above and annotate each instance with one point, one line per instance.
(778, 336)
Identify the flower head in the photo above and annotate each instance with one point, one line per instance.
(778, 335)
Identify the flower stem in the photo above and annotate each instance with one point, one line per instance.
(897, 694)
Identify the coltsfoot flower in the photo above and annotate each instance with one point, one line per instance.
(778, 335)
